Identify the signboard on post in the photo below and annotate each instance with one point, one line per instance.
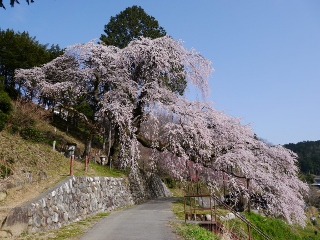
(71, 150)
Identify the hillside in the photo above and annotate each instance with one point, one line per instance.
(309, 156)
(28, 163)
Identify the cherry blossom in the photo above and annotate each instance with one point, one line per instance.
(136, 86)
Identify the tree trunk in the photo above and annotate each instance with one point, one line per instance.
(109, 146)
(249, 202)
(115, 148)
(87, 149)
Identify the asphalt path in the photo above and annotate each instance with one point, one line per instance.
(147, 221)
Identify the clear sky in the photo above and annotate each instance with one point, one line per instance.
(266, 54)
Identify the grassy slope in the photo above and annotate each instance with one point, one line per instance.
(29, 167)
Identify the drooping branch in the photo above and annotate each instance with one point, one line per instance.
(150, 144)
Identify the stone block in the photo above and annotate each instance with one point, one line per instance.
(37, 221)
(3, 196)
(16, 221)
(45, 213)
(55, 209)
(43, 222)
(49, 220)
(5, 234)
(65, 217)
(43, 202)
(55, 217)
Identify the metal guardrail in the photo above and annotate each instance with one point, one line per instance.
(190, 211)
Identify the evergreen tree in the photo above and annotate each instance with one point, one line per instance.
(309, 156)
(20, 50)
(129, 24)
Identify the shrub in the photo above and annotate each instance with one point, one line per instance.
(5, 108)
(170, 182)
(5, 103)
(32, 133)
(3, 120)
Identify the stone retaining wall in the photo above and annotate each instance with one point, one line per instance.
(79, 197)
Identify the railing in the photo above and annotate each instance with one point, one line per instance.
(191, 212)
(249, 224)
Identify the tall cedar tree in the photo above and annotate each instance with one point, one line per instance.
(129, 24)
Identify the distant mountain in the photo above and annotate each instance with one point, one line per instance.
(309, 155)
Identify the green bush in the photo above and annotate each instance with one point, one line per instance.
(3, 120)
(5, 102)
(5, 108)
(170, 182)
(32, 133)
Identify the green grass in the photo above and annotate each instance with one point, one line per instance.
(178, 209)
(189, 231)
(72, 231)
(95, 169)
(106, 171)
(278, 229)
(193, 232)
(275, 228)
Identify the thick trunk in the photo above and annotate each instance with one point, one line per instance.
(115, 148)
(249, 202)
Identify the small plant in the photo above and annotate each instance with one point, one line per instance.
(194, 232)
(5, 171)
(103, 214)
(170, 182)
(71, 231)
(32, 133)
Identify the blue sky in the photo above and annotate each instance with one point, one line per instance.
(266, 54)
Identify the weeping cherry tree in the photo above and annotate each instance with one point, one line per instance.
(132, 85)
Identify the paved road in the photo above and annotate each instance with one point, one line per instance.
(148, 221)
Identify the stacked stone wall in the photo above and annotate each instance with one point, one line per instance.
(79, 197)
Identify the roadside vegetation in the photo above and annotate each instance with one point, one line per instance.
(72, 231)
(280, 230)
(28, 163)
(275, 228)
